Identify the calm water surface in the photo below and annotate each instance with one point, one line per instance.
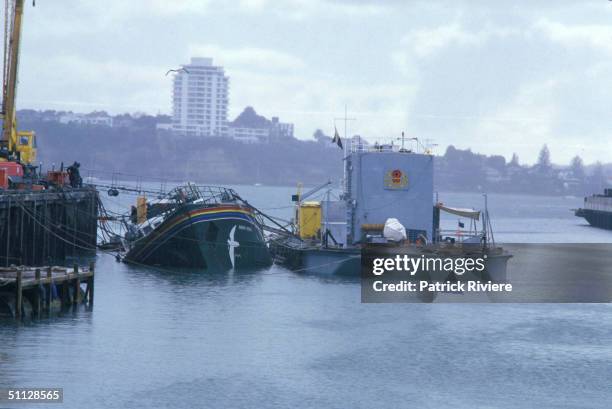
(273, 338)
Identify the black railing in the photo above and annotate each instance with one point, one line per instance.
(212, 195)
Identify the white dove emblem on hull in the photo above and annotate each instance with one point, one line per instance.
(232, 244)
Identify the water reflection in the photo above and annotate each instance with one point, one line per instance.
(190, 277)
(326, 278)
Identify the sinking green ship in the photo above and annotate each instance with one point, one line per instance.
(200, 227)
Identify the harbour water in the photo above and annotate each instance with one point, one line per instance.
(273, 338)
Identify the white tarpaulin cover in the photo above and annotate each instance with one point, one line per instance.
(394, 230)
(463, 212)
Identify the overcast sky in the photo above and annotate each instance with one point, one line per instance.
(498, 77)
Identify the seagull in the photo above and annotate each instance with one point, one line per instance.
(177, 70)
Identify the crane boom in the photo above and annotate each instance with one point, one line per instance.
(313, 191)
(19, 145)
(12, 59)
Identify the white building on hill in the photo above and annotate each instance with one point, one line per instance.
(199, 99)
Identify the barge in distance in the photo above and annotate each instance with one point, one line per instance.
(597, 210)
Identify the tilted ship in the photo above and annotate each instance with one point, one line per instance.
(383, 185)
(201, 227)
(597, 210)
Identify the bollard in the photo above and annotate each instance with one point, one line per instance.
(19, 295)
(37, 291)
(49, 289)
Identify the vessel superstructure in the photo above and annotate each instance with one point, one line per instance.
(381, 183)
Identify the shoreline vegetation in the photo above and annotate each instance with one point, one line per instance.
(137, 145)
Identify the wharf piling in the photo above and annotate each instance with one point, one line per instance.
(26, 293)
(45, 227)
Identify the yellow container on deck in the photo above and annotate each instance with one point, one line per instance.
(309, 219)
(141, 209)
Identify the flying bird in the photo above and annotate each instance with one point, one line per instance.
(177, 70)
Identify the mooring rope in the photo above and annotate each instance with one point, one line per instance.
(72, 243)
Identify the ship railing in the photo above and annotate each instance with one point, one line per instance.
(354, 146)
(216, 195)
(358, 146)
(205, 194)
(460, 236)
(410, 145)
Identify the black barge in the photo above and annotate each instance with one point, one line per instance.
(597, 210)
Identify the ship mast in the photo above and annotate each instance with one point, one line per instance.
(345, 147)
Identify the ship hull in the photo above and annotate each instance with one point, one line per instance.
(322, 261)
(212, 239)
(347, 261)
(596, 218)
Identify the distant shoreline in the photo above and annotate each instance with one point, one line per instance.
(142, 149)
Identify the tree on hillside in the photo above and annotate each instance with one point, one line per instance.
(514, 161)
(598, 177)
(320, 136)
(497, 162)
(250, 119)
(544, 159)
(577, 167)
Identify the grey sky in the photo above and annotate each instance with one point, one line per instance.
(499, 77)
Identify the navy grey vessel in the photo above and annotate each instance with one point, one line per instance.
(201, 227)
(597, 210)
(382, 183)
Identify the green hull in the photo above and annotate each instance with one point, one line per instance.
(217, 238)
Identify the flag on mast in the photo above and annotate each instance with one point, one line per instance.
(337, 139)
